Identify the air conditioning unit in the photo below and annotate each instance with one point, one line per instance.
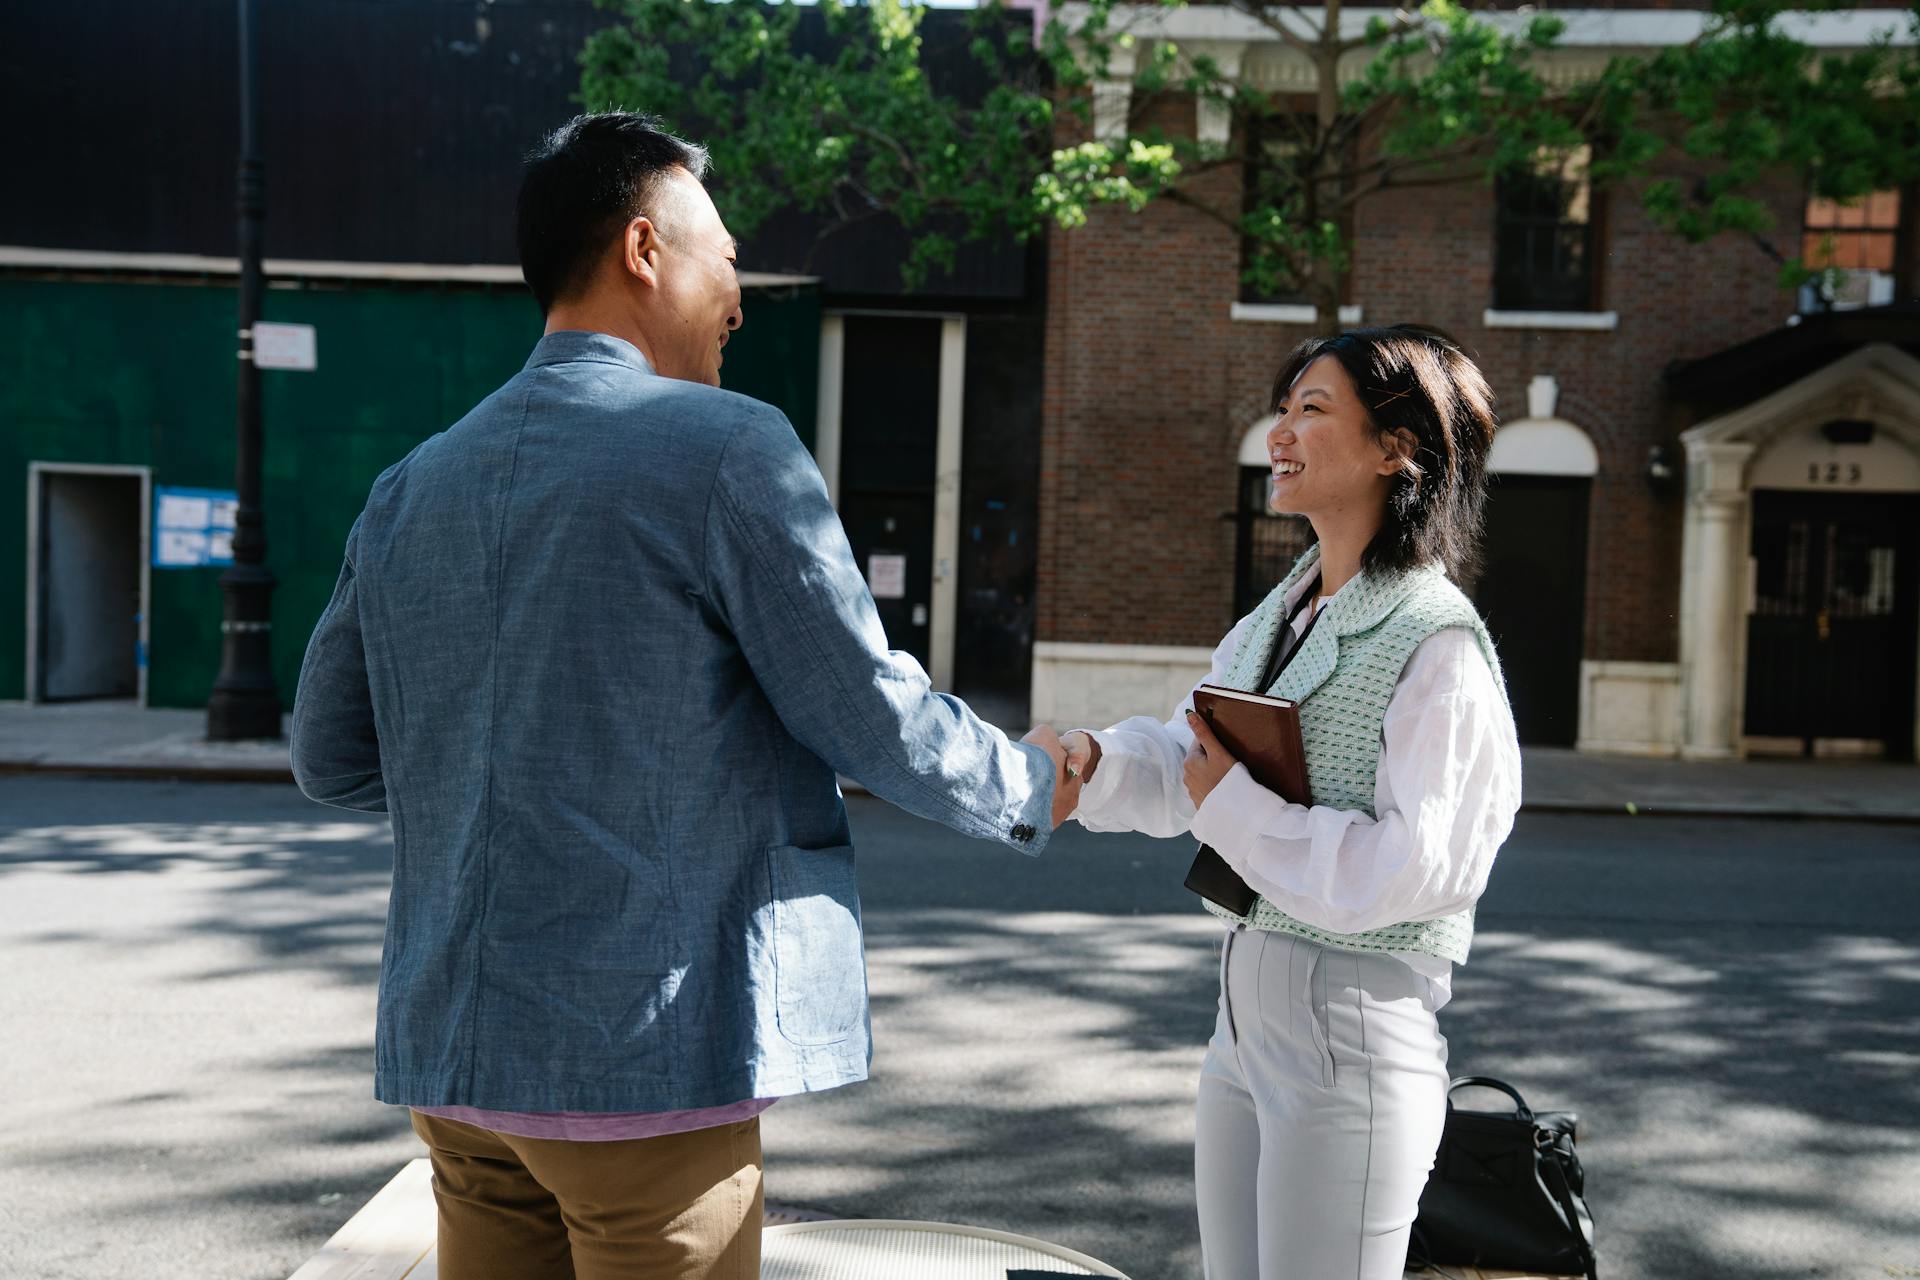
(1838, 290)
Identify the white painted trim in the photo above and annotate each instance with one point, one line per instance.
(1113, 96)
(35, 470)
(1878, 381)
(946, 502)
(196, 264)
(1289, 313)
(1213, 121)
(1660, 731)
(1595, 321)
(827, 403)
(896, 313)
(1585, 28)
(1081, 684)
(1077, 651)
(1253, 445)
(1542, 447)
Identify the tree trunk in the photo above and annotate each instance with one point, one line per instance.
(1324, 287)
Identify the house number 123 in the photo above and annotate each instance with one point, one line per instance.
(1833, 473)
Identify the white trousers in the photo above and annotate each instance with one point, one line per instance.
(1321, 1103)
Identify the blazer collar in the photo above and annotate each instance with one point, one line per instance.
(570, 345)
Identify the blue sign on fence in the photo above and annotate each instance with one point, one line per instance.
(193, 528)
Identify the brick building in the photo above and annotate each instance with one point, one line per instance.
(1704, 526)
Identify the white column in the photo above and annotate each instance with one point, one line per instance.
(946, 502)
(1113, 97)
(826, 416)
(1713, 598)
(1213, 121)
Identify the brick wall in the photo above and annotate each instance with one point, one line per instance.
(1150, 387)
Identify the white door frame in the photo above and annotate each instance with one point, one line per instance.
(35, 472)
(942, 620)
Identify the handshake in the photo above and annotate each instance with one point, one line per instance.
(1076, 754)
(1075, 757)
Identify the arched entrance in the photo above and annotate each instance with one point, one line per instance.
(1533, 583)
(1800, 590)
(1265, 545)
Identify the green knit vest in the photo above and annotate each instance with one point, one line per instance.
(1343, 677)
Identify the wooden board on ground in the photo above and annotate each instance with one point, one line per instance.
(392, 1238)
(388, 1239)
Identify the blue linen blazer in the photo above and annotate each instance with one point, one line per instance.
(598, 650)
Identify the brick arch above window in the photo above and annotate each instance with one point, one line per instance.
(1253, 445)
(1543, 447)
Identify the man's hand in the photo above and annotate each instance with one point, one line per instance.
(1066, 789)
(1207, 762)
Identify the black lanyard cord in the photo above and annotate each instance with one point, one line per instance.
(1283, 647)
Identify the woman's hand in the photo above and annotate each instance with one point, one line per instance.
(1207, 761)
(1066, 781)
(1083, 753)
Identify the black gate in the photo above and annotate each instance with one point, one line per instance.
(1265, 544)
(1831, 641)
(1533, 593)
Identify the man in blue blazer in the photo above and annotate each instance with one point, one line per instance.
(599, 649)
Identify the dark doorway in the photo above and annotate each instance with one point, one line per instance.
(88, 583)
(889, 424)
(999, 510)
(1533, 593)
(1831, 640)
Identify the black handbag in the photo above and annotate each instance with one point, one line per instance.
(1506, 1191)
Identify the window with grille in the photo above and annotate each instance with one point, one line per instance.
(1278, 162)
(1861, 236)
(1545, 236)
(1856, 247)
(1267, 544)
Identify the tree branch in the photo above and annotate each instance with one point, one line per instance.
(1385, 180)
(1404, 21)
(1288, 36)
(1189, 201)
(1387, 165)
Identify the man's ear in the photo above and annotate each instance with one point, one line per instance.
(640, 251)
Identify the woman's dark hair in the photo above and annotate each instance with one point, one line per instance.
(586, 179)
(1419, 386)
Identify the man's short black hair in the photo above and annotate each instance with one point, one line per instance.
(586, 179)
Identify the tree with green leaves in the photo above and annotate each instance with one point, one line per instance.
(836, 109)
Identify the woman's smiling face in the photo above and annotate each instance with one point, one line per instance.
(1326, 460)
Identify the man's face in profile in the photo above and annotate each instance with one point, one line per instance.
(698, 285)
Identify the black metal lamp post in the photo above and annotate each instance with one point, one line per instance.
(245, 703)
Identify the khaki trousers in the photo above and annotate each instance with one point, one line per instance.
(686, 1206)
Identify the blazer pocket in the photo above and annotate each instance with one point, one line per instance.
(819, 966)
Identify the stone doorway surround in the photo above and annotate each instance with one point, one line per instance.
(1773, 443)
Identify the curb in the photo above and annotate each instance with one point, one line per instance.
(1634, 809)
(1623, 809)
(147, 772)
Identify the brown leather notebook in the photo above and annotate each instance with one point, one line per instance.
(1263, 733)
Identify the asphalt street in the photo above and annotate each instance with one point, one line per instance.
(187, 982)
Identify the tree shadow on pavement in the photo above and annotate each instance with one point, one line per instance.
(196, 993)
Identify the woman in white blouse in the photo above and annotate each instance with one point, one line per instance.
(1323, 1090)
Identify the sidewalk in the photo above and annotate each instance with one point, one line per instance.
(113, 738)
(119, 739)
